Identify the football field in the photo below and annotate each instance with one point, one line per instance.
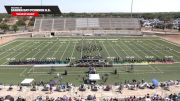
(63, 48)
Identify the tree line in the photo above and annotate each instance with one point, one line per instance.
(161, 15)
(19, 23)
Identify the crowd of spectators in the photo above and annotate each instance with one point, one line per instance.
(130, 85)
(147, 97)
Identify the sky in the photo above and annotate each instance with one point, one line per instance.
(101, 5)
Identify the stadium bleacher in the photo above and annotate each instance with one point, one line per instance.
(93, 23)
(88, 26)
(87, 23)
(105, 23)
(124, 23)
(70, 24)
(46, 24)
(58, 24)
(37, 25)
(81, 23)
(61, 24)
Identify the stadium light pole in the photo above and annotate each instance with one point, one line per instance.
(41, 7)
(131, 8)
(41, 2)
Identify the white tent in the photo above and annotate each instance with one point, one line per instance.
(94, 77)
(27, 82)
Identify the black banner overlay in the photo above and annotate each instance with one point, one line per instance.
(39, 9)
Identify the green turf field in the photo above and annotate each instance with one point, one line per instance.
(61, 48)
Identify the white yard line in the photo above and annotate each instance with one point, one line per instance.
(106, 50)
(149, 51)
(57, 50)
(138, 49)
(153, 49)
(19, 53)
(96, 45)
(163, 52)
(31, 51)
(52, 46)
(158, 69)
(21, 74)
(169, 42)
(122, 49)
(152, 67)
(131, 50)
(14, 48)
(141, 50)
(82, 47)
(40, 50)
(126, 54)
(90, 43)
(30, 70)
(65, 50)
(114, 50)
(73, 52)
(175, 54)
(7, 43)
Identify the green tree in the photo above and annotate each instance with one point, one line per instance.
(4, 27)
(31, 23)
(169, 26)
(21, 22)
(23, 18)
(15, 28)
(5, 15)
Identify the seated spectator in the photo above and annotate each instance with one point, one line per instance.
(152, 87)
(46, 88)
(1, 99)
(120, 88)
(20, 88)
(10, 98)
(38, 98)
(70, 99)
(69, 87)
(10, 88)
(82, 87)
(108, 88)
(79, 98)
(50, 89)
(1, 86)
(20, 99)
(33, 88)
(131, 87)
(94, 88)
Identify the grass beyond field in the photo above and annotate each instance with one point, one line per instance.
(62, 48)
